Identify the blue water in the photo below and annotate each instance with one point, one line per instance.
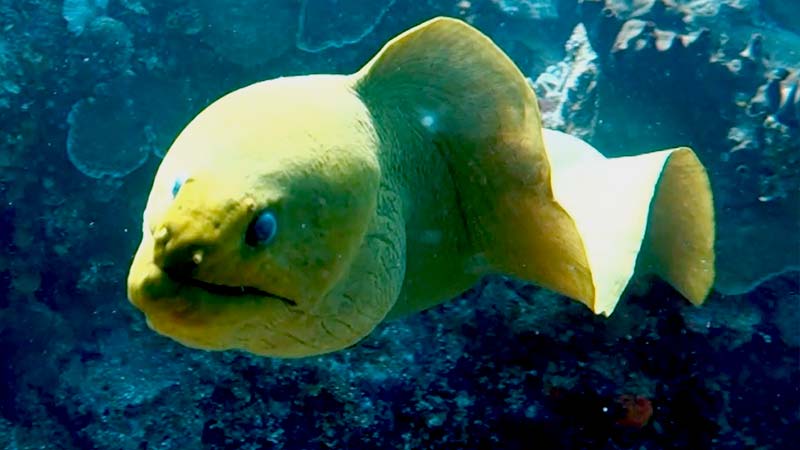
(92, 93)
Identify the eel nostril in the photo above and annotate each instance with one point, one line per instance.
(161, 236)
(197, 257)
(182, 262)
(178, 253)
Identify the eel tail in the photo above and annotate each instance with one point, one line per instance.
(650, 213)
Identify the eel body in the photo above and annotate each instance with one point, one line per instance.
(292, 216)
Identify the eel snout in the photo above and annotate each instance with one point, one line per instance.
(181, 259)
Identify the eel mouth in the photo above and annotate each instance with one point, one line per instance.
(222, 290)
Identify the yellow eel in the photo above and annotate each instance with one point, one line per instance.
(292, 216)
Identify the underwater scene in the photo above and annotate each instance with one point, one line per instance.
(400, 224)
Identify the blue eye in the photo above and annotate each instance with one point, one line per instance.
(176, 186)
(262, 229)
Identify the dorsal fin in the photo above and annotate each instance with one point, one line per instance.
(478, 111)
(449, 72)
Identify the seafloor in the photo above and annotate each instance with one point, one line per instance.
(93, 91)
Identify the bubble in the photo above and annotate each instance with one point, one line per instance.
(428, 121)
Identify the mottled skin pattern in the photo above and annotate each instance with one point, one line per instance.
(394, 189)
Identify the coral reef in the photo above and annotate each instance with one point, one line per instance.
(785, 13)
(351, 22)
(79, 13)
(105, 48)
(567, 89)
(263, 30)
(110, 135)
(103, 132)
(786, 316)
(10, 74)
(459, 376)
(533, 9)
(503, 366)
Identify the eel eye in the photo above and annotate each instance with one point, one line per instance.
(262, 229)
(177, 185)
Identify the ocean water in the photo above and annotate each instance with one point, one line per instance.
(94, 92)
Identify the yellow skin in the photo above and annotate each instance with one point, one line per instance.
(394, 189)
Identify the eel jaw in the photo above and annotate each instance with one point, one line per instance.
(209, 316)
(222, 290)
(200, 314)
(181, 295)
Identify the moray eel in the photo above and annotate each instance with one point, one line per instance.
(292, 216)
